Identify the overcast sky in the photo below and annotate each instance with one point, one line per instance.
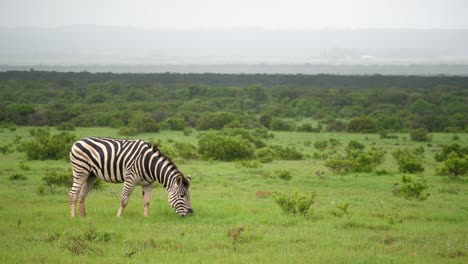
(270, 14)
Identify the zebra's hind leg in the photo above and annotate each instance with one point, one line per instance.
(87, 186)
(127, 191)
(79, 179)
(146, 191)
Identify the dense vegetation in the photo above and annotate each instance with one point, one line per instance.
(139, 103)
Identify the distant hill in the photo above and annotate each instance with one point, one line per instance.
(96, 45)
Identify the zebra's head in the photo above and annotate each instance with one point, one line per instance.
(179, 196)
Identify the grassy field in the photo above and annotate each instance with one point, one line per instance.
(236, 220)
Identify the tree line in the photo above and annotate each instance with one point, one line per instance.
(149, 102)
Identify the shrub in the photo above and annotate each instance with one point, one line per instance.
(143, 122)
(336, 126)
(321, 144)
(409, 161)
(357, 159)
(287, 153)
(420, 135)
(175, 123)
(128, 131)
(17, 177)
(447, 150)
(44, 145)
(295, 203)
(214, 121)
(213, 145)
(265, 154)
(284, 175)
(455, 166)
(412, 188)
(282, 125)
(362, 125)
(186, 151)
(66, 126)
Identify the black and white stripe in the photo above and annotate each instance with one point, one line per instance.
(133, 162)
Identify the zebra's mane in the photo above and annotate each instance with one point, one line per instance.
(156, 149)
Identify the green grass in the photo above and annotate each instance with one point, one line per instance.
(381, 228)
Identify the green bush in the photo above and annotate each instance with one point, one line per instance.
(217, 146)
(265, 154)
(282, 125)
(143, 122)
(420, 135)
(362, 125)
(447, 150)
(357, 159)
(412, 188)
(186, 151)
(128, 131)
(284, 175)
(66, 126)
(295, 203)
(409, 161)
(215, 121)
(321, 144)
(455, 166)
(287, 153)
(17, 177)
(175, 123)
(44, 145)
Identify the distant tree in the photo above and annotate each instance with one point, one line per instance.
(362, 125)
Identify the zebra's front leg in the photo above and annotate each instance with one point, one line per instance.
(146, 191)
(126, 192)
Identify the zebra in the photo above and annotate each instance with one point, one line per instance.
(131, 162)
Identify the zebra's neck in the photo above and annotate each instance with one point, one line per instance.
(163, 170)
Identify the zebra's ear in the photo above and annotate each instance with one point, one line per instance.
(179, 180)
(189, 178)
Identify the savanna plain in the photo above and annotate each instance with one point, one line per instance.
(236, 218)
(284, 168)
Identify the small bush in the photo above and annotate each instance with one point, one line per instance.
(321, 144)
(420, 135)
(357, 159)
(455, 166)
(66, 126)
(265, 155)
(214, 145)
(287, 153)
(412, 188)
(175, 123)
(447, 150)
(186, 151)
(295, 203)
(128, 131)
(282, 125)
(284, 175)
(17, 177)
(362, 125)
(409, 161)
(47, 146)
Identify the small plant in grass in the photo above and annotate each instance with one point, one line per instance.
(17, 177)
(321, 144)
(295, 203)
(283, 174)
(235, 235)
(412, 188)
(342, 210)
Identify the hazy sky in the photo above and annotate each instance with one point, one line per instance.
(237, 13)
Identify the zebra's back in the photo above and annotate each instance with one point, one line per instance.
(107, 158)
